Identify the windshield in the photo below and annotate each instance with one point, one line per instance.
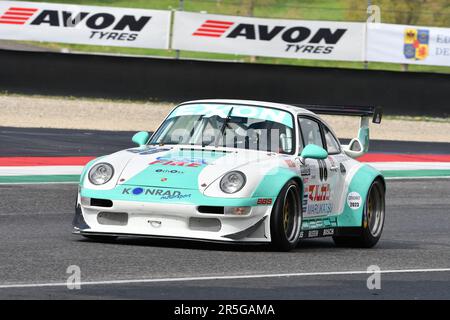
(233, 126)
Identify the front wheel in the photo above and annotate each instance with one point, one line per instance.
(373, 220)
(286, 218)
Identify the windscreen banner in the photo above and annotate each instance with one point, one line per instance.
(408, 44)
(323, 40)
(93, 25)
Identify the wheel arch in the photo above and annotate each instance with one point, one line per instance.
(272, 183)
(360, 183)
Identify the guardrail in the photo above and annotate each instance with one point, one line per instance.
(139, 78)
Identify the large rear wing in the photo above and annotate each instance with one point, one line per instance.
(359, 111)
(360, 145)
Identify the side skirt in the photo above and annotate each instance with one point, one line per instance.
(328, 232)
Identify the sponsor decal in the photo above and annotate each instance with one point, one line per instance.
(264, 201)
(213, 28)
(316, 200)
(354, 200)
(313, 233)
(305, 171)
(173, 171)
(164, 194)
(415, 45)
(210, 110)
(317, 233)
(176, 196)
(312, 40)
(268, 37)
(179, 163)
(84, 24)
(17, 15)
(319, 192)
(150, 191)
(319, 208)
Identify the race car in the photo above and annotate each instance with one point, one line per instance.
(238, 171)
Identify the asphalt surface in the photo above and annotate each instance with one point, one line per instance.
(66, 142)
(37, 247)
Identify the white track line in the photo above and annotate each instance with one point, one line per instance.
(231, 277)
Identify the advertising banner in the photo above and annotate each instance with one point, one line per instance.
(94, 25)
(324, 40)
(408, 44)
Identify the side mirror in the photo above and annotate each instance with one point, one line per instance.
(141, 138)
(313, 151)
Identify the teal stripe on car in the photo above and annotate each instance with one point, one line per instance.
(178, 169)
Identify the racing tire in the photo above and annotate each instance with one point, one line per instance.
(372, 222)
(286, 218)
(100, 238)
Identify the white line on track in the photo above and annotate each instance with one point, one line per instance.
(230, 277)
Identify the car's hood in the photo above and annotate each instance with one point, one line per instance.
(181, 167)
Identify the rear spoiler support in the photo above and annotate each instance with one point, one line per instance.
(360, 145)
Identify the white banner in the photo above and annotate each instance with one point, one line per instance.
(84, 24)
(324, 40)
(408, 44)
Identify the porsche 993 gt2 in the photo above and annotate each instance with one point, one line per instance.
(237, 171)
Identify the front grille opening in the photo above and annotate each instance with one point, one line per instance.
(211, 209)
(113, 218)
(205, 224)
(101, 203)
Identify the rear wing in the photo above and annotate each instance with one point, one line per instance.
(374, 112)
(360, 145)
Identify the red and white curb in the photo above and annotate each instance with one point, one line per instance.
(68, 169)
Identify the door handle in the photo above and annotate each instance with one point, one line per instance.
(334, 167)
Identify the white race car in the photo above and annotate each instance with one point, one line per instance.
(237, 171)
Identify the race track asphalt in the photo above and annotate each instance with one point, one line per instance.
(37, 247)
(67, 142)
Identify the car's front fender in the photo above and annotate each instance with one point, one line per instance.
(272, 183)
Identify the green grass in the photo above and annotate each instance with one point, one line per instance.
(400, 11)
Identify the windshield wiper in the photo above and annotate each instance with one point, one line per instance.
(224, 125)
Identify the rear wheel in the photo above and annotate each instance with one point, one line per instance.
(286, 218)
(373, 220)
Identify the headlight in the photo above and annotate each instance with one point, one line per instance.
(101, 173)
(232, 182)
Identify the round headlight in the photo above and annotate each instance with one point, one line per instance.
(101, 173)
(232, 182)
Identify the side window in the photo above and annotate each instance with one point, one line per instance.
(311, 132)
(332, 144)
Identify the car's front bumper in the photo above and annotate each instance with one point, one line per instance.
(171, 220)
